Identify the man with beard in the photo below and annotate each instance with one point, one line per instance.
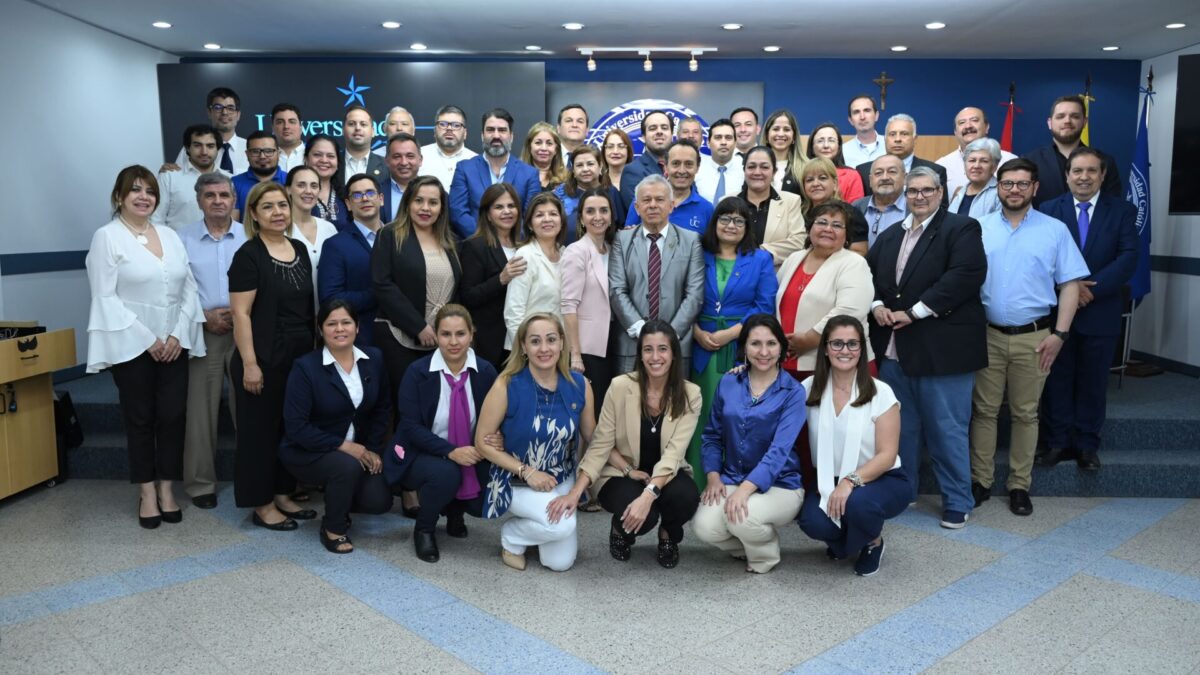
(572, 128)
(689, 210)
(885, 205)
(1066, 122)
(224, 111)
(263, 154)
(449, 146)
(496, 165)
(404, 164)
(656, 136)
(969, 124)
(358, 130)
(398, 121)
(289, 132)
(900, 137)
(719, 175)
(345, 269)
(177, 204)
(1033, 266)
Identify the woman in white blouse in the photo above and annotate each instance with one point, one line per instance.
(854, 433)
(541, 246)
(145, 321)
(304, 187)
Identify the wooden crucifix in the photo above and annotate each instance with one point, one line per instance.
(883, 81)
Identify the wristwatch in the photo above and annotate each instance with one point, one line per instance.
(854, 479)
(653, 489)
(1060, 334)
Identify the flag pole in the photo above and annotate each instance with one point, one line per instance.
(1138, 368)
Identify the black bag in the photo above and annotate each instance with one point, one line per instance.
(68, 431)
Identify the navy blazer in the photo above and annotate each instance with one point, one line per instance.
(417, 401)
(317, 410)
(345, 272)
(1052, 180)
(751, 289)
(643, 165)
(473, 176)
(1111, 252)
(864, 172)
(482, 293)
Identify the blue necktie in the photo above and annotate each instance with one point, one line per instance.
(227, 158)
(1083, 223)
(720, 184)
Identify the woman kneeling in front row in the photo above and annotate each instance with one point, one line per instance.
(854, 433)
(636, 457)
(753, 475)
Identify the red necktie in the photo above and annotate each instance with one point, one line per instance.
(653, 274)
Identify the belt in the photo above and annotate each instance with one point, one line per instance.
(1037, 325)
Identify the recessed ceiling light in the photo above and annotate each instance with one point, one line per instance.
(731, 26)
(418, 46)
(573, 25)
(899, 48)
(1110, 49)
(533, 48)
(935, 25)
(161, 24)
(212, 45)
(391, 25)
(771, 48)
(1173, 26)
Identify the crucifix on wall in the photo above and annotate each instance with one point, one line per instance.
(883, 81)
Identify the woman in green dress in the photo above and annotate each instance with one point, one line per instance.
(739, 280)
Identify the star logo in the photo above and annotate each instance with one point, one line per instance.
(353, 93)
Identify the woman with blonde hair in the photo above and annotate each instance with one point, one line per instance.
(543, 151)
(819, 186)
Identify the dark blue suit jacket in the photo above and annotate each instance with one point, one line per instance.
(1111, 253)
(643, 165)
(417, 402)
(385, 189)
(751, 289)
(345, 272)
(317, 410)
(473, 176)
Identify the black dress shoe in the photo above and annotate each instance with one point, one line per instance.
(980, 493)
(175, 516)
(1088, 461)
(302, 514)
(668, 553)
(1019, 503)
(148, 522)
(1053, 456)
(456, 525)
(205, 501)
(620, 545)
(426, 545)
(285, 525)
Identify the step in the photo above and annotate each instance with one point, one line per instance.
(105, 456)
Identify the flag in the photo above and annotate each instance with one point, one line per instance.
(1006, 135)
(1139, 195)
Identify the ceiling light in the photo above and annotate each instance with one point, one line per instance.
(731, 26)
(418, 46)
(647, 66)
(899, 48)
(693, 65)
(391, 25)
(533, 48)
(771, 48)
(935, 25)
(161, 24)
(591, 65)
(1110, 49)
(212, 45)
(1173, 26)
(573, 25)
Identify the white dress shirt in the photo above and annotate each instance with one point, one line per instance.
(352, 380)
(354, 166)
(237, 145)
(434, 163)
(441, 418)
(177, 205)
(537, 290)
(709, 175)
(291, 160)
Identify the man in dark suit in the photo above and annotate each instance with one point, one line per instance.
(901, 140)
(929, 333)
(1066, 122)
(403, 158)
(359, 132)
(496, 165)
(345, 269)
(1105, 229)
(656, 137)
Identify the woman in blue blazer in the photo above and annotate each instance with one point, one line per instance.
(434, 451)
(335, 418)
(739, 280)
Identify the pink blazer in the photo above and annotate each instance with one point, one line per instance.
(584, 275)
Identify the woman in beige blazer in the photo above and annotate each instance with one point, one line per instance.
(778, 223)
(541, 244)
(821, 281)
(636, 456)
(584, 273)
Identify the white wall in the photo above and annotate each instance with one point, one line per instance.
(80, 104)
(1167, 324)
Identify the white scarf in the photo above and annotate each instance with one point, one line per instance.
(856, 421)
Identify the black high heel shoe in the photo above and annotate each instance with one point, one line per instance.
(175, 516)
(148, 522)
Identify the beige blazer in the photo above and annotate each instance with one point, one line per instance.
(843, 285)
(535, 291)
(620, 426)
(584, 274)
(785, 230)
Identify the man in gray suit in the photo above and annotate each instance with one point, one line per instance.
(666, 282)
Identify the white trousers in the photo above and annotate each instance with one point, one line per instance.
(756, 537)
(528, 525)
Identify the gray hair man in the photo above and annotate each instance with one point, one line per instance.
(900, 137)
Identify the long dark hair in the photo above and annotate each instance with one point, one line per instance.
(335, 181)
(484, 228)
(822, 374)
(730, 206)
(674, 397)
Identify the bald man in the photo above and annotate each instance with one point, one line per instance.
(969, 124)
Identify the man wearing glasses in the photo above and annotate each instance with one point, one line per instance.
(449, 146)
(928, 333)
(224, 110)
(1033, 268)
(345, 269)
(262, 153)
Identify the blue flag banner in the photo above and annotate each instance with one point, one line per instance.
(1139, 195)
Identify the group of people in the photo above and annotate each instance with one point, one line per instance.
(673, 337)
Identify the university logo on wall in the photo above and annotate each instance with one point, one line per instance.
(628, 118)
(353, 91)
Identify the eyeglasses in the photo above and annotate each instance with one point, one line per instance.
(726, 221)
(218, 108)
(830, 225)
(1010, 185)
(839, 345)
(457, 126)
(261, 152)
(923, 192)
(367, 194)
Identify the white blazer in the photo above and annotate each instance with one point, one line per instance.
(843, 285)
(537, 290)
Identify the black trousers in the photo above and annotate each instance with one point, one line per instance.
(676, 505)
(599, 372)
(396, 357)
(258, 475)
(153, 398)
(349, 488)
(436, 480)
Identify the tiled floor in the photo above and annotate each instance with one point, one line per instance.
(1083, 585)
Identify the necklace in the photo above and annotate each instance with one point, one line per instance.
(655, 422)
(139, 235)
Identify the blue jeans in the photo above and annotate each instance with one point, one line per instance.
(936, 411)
(866, 509)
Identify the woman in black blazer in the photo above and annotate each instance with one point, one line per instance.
(336, 419)
(434, 451)
(489, 264)
(414, 271)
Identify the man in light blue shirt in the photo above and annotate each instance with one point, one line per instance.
(885, 206)
(1034, 267)
(210, 244)
(866, 144)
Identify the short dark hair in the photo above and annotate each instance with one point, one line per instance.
(1018, 164)
(260, 134)
(763, 320)
(124, 185)
(332, 305)
(743, 109)
(1085, 151)
(401, 137)
(687, 144)
(498, 113)
(833, 206)
(1070, 98)
(654, 112)
(201, 130)
(723, 122)
(764, 149)
(351, 108)
(573, 106)
(730, 206)
(283, 107)
(850, 103)
(539, 199)
(360, 176)
(223, 92)
(448, 109)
